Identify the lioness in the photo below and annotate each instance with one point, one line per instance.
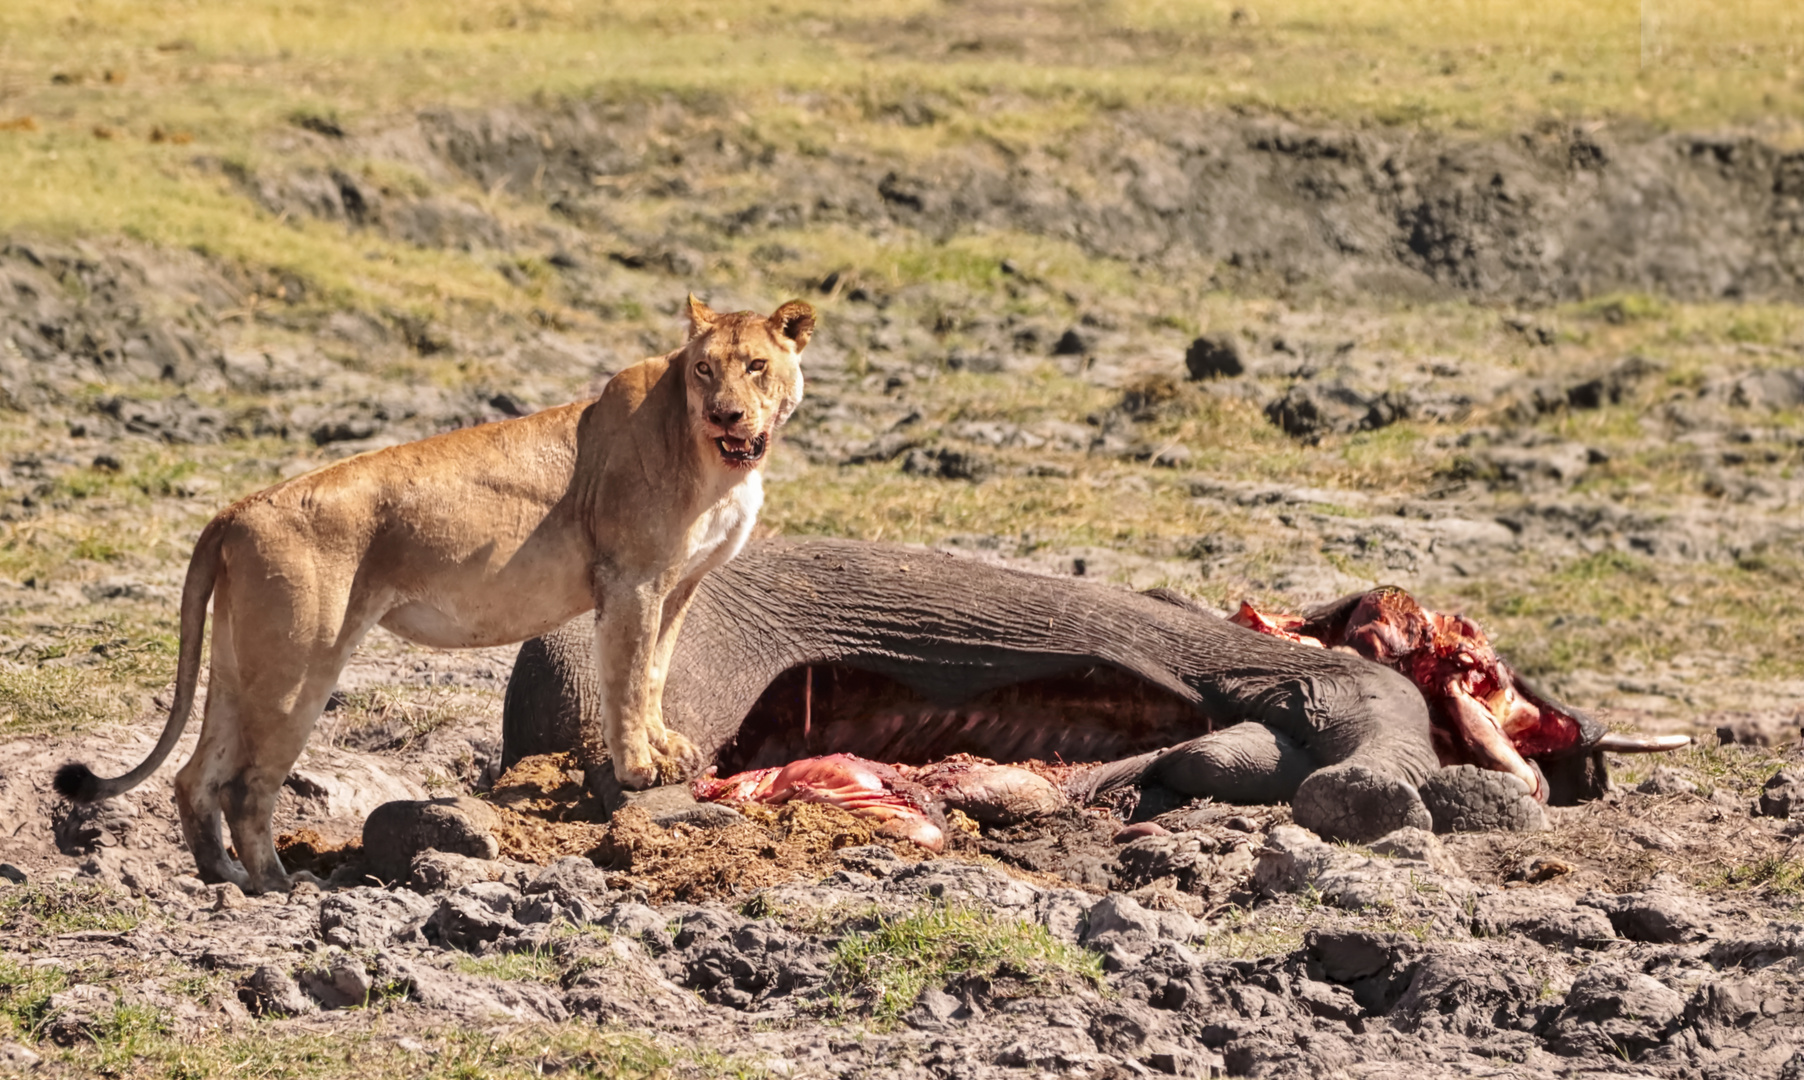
(483, 536)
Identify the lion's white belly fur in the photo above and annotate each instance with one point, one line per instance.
(724, 527)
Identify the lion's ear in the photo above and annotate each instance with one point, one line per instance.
(701, 318)
(795, 321)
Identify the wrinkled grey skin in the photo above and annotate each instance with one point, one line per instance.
(1233, 714)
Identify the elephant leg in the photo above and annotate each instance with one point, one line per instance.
(1247, 763)
(1470, 799)
(1358, 801)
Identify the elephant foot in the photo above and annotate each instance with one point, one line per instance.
(1357, 803)
(1470, 799)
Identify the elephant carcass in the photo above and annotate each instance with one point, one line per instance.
(903, 655)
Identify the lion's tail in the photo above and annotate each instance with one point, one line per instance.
(77, 782)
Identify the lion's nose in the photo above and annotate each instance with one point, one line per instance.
(724, 418)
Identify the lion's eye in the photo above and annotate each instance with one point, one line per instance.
(755, 366)
(704, 370)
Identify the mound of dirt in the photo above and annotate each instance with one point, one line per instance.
(774, 846)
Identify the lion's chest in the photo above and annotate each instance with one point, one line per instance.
(723, 528)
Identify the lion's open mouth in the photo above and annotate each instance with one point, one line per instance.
(741, 451)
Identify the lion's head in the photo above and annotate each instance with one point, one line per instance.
(743, 376)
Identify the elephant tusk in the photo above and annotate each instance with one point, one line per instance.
(1641, 744)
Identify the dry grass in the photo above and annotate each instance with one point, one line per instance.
(106, 106)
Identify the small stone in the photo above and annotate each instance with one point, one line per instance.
(441, 871)
(343, 984)
(570, 877)
(396, 832)
(1667, 781)
(1783, 794)
(464, 922)
(1539, 868)
(1419, 844)
(270, 991)
(1214, 356)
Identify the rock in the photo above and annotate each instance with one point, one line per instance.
(1214, 356)
(1660, 914)
(1124, 931)
(366, 918)
(948, 879)
(933, 1009)
(435, 871)
(948, 464)
(1310, 410)
(1375, 966)
(76, 1013)
(751, 964)
(640, 922)
(1549, 918)
(475, 999)
(1470, 799)
(571, 880)
(1290, 859)
(17, 1058)
(1773, 390)
(1612, 1011)
(1190, 860)
(1074, 342)
(1418, 844)
(1668, 781)
(464, 920)
(1783, 793)
(341, 984)
(1470, 995)
(397, 831)
(873, 859)
(1761, 729)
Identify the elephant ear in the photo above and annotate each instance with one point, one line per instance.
(701, 318)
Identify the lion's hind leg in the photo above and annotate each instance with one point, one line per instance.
(279, 643)
(197, 792)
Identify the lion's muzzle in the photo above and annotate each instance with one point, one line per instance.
(738, 451)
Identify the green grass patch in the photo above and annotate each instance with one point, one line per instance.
(1742, 771)
(64, 907)
(25, 995)
(885, 969)
(132, 1045)
(538, 965)
(1775, 874)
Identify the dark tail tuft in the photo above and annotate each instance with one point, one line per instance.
(76, 782)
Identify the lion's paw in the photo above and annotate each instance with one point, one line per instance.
(636, 771)
(674, 757)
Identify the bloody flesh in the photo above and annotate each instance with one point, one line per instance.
(1483, 715)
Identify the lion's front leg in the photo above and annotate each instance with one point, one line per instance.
(675, 746)
(626, 653)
